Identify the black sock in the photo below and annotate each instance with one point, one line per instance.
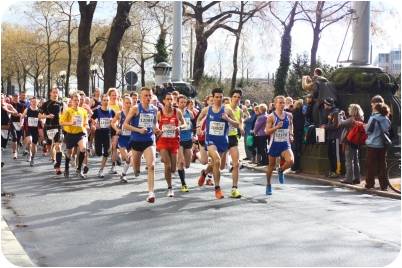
(67, 163)
(217, 187)
(59, 156)
(182, 176)
(170, 187)
(81, 157)
(234, 187)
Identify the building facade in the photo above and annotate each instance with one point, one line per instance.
(390, 62)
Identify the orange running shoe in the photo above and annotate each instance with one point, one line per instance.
(218, 193)
(209, 182)
(201, 179)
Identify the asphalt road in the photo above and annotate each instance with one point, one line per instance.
(101, 222)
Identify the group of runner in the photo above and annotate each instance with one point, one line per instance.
(135, 126)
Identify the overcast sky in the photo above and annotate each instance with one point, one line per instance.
(263, 44)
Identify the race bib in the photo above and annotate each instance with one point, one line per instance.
(232, 128)
(146, 120)
(17, 125)
(168, 131)
(104, 122)
(125, 132)
(216, 128)
(51, 133)
(78, 121)
(281, 135)
(33, 121)
(188, 123)
(4, 133)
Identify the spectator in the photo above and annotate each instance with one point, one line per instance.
(298, 131)
(248, 130)
(332, 135)
(288, 104)
(260, 137)
(308, 110)
(356, 116)
(376, 151)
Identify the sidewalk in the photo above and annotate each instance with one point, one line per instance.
(333, 182)
(11, 249)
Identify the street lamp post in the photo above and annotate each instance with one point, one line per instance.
(61, 80)
(40, 81)
(94, 72)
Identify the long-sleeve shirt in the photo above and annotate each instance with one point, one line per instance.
(259, 127)
(374, 139)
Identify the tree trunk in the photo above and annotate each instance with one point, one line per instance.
(235, 52)
(84, 44)
(199, 58)
(68, 72)
(142, 71)
(120, 23)
(314, 49)
(49, 68)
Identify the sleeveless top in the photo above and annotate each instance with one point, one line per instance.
(32, 118)
(104, 119)
(216, 128)
(281, 135)
(187, 134)
(124, 132)
(115, 107)
(168, 125)
(237, 115)
(144, 119)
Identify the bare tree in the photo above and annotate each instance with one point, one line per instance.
(323, 15)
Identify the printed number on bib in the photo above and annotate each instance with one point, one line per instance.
(104, 122)
(169, 131)
(78, 121)
(146, 120)
(33, 121)
(281, 135)
(51, 133)
(216, 128)
(17, 126)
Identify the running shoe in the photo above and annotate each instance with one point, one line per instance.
(136, 173)
(151, 197)
(201, 179)
(25, 153)
(29, 158)
(268, 190)
(184, 188)
(235, 193)
(209, 182)
(15, 155)
(123, 178)
(100, 173)
(82, 175)
(66, 173)
(218, 193)
(31, 163)
(170, 192)
(113, 170)
(281, 177)
(58, 171)
(86, 169)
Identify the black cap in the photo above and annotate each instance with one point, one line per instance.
(329, 102)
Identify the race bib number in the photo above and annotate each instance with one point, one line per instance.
(4, 133)
(17, 125)
(168, 131)
(33, 121)
(146, 120)
(281, 135)
(188, 123)
(216, 128)
(51, 133)
(78, 121)
(104, 122)
(125, 132)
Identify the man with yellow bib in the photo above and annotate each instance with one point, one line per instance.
(75, 122)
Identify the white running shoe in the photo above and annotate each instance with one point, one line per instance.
(113, 170)
(170, 192)
(151, 197)
(123, 178)
(100, 173)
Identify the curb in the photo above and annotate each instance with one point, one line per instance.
(11, 249)
(330, 182)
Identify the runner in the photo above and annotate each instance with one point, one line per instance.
(141, 120)
(101, 125)
(124, 137)
(218, 118)
(16, 124)
(170, 122)
(6, 110)
(234, 140)
(75, 121)
(186, 142)
(95, 104)
(85, 103)
(51, 110)
(32, 133)
(280, 128)
(116, 107)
